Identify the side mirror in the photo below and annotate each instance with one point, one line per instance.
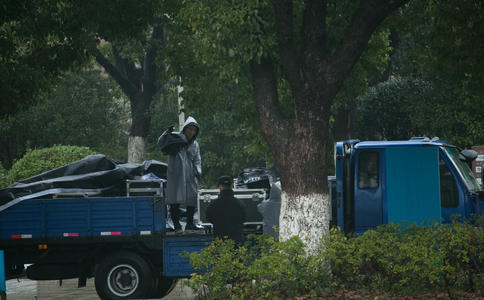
(467, 155)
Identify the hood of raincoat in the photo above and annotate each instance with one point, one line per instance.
(191, 121)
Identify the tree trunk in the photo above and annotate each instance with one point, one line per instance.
(136, 149)
(140, 84)
(305, 208)
(306, 216)
(315, 75)
(140, 126)
(299, 148)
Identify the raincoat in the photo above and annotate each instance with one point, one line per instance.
(270, 210)
(184, 168)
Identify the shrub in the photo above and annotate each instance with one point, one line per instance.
(409, 259)
(261, 269)
(392, 259)
(41, 160)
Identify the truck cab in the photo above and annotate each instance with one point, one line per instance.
(419, 180)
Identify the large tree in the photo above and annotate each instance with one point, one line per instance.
(43, 39)
(310, 46)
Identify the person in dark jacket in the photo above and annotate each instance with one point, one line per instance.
(226, 213)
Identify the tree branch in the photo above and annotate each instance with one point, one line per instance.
(366, 19)
(128, 87)
(313, 30)
(151, 71)
(290, 58)
(272, 124)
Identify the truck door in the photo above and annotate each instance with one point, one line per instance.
(344, 185)
(459, 188)
(368, 189)
(451, 198)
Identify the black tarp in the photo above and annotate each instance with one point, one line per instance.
(93, 175)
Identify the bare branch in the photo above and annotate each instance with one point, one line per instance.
(272, 124)
(151, 71)
(291, 61)
(313, 30)
(128, 87)
(366, 19)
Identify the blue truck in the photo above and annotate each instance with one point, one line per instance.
(124, 242)
(120, 241)
(419, 180)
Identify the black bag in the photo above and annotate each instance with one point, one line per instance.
(171, 142)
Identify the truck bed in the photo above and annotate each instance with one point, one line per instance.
(71, 218)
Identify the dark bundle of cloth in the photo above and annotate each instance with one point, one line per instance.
(171, 142)
(93, 175)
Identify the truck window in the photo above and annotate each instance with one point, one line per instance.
(463, 169)
(449, 194)
(368, 170)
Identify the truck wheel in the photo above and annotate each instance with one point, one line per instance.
(164, 286)
(124, 275)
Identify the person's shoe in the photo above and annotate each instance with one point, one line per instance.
(178, 228)
(191, 226)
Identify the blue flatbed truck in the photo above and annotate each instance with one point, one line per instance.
(120, 241)
(378, 182)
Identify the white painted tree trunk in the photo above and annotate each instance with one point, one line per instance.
(136, 149)
(305, 216)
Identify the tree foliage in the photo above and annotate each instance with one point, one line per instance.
(403, 107)
(85, 109)
(435, 87)
(445, 39)
(40, 40)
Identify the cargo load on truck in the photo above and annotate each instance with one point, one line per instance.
(95, 175)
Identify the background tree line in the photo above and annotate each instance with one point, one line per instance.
(105, 75)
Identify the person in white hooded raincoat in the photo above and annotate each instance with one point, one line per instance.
(184, 171)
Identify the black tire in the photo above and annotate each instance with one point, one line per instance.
(124, 275)
(164, 285)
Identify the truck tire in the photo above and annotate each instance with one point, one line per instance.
(124, 275)
(164, 286)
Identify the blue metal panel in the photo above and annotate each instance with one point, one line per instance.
(144, 212)
(127, 215)
(23, 218)
(413, 188)
(66, 216)
(174, 265)
(3, 288)
(82, 217)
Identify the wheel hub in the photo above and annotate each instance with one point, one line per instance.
(123, 280)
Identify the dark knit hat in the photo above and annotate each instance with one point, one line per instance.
(224, 180)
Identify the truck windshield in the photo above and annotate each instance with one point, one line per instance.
(463, 169)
